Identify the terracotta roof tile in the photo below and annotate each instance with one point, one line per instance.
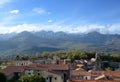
(72, 80)
(11, 69)
(78, 73)
(57, 72)
(111, 74)
(50, 66)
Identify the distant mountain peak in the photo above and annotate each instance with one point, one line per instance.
(93, 41)
(94, 32)
(25, 32)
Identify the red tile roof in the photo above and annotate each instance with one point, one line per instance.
(79, 73)
(72, 80)
(111, 74)
(11, 69)
(108, 73)
(49, 66)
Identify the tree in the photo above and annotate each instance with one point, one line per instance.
(17, 57)
(83, 56)
(31, 78)
(2, 77)
(46, 54)
(109, 69)
(90, 55)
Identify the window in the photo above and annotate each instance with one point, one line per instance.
(47, 78)
(55, 78)
(86, 77)
(38, 73)
(29, 73)
(22, 64)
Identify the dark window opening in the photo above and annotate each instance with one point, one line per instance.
(29, 73)
(55, 78)
(47, 78)
(86, 78)
(38, 73)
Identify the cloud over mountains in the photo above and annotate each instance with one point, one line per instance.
(111, 29)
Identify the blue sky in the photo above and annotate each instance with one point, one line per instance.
(73, 16)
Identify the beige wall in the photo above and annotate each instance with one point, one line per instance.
(22, 63)
(55, 77)
(46, 75)
(27, 72)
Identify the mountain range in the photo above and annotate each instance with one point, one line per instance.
(38, 42)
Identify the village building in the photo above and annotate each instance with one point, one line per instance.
(95, 75)
(51, 73)
(22, 63)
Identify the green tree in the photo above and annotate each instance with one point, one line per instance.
(46, 54)
(109, 69)
(90, 55)
(31, 78)
(2, 77)
(83, 55)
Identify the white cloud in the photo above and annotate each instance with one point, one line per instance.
(112, 29)
(18, 28)
(14, 11)
(9, 18)
(3, 2)
(41, 11)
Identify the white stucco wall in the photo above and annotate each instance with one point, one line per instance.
(27, 72)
